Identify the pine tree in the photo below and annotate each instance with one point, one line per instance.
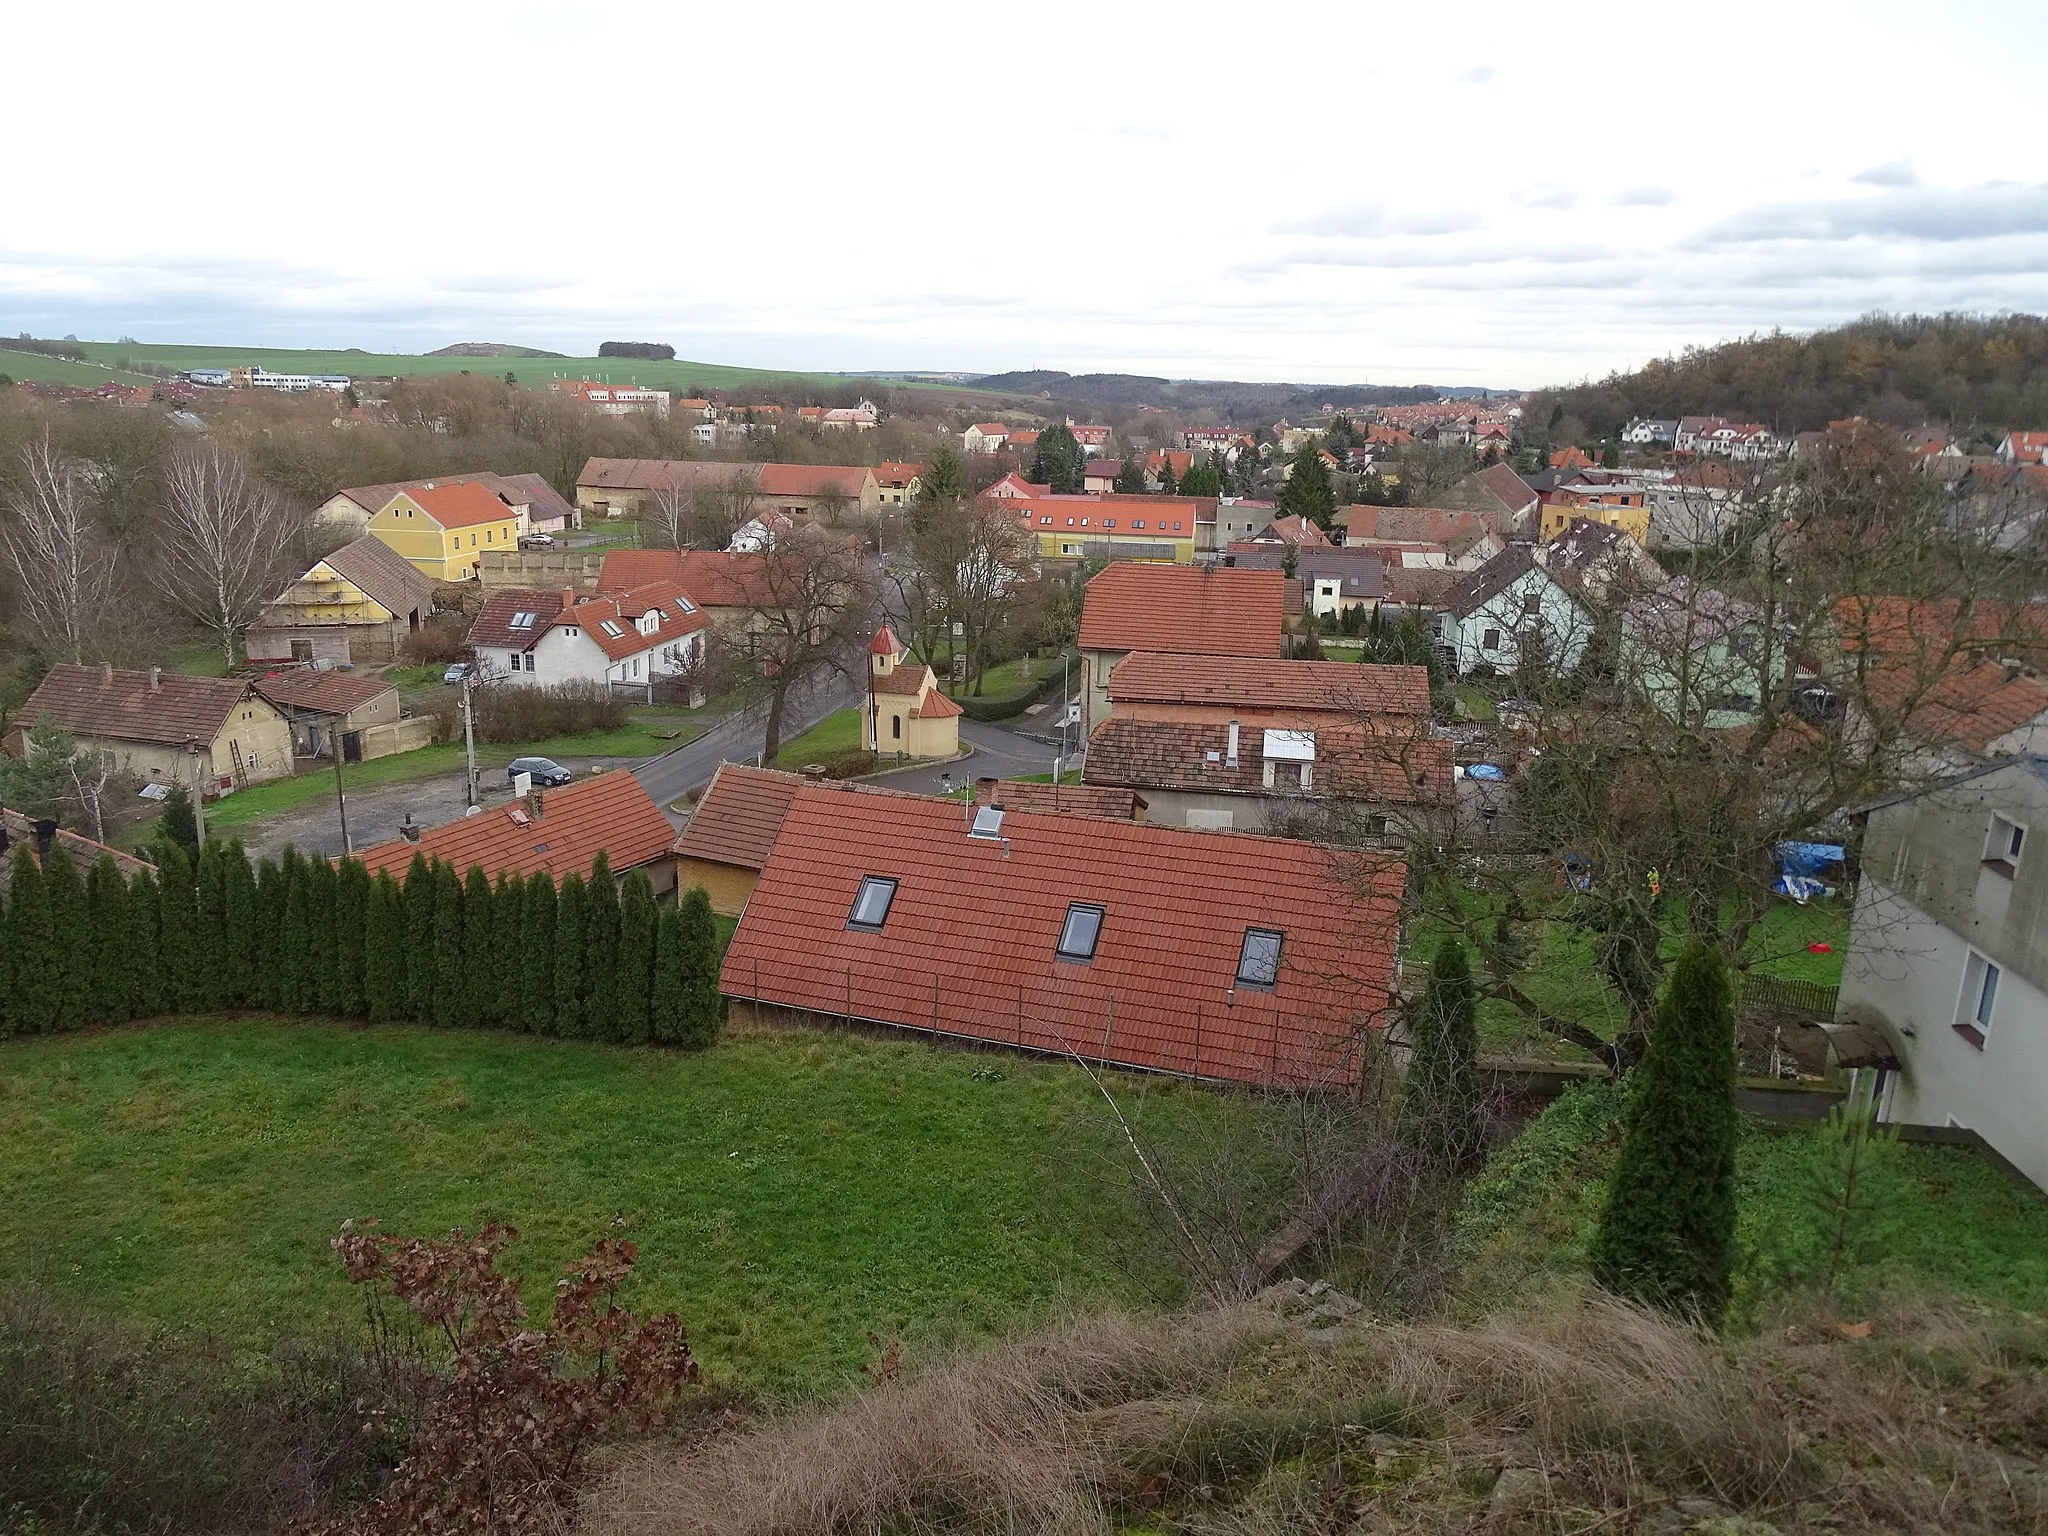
(238, 929)
(537, 954)
(637, 922)
(447, 1002)
(70, 939)
(109, 990)
(1130, 477)
(1307, 493)
(324, 987)
(145, 937)
(1059, 461)
(351, 938)
(1169, 485)
(384, 984)
(295, 935)
(601, 951)
(1440, 1101)
(1202, 479)
(508, 926)
(671, 973)
(33, 985)
(1245, 471)
(209, 893)
(177, 916)
(479, 1006)
(177, 822)
(572, 949)
(1667, 1233)
(265, 984)
(701, 1004)
(943, 479)
(419, 939)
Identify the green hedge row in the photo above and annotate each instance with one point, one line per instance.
(593, 959)
(1012, 705)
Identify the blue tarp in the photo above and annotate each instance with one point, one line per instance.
(1485, 771)
(1804, 868)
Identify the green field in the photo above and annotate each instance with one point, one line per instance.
(837, 733)
(790, 1193)
(530, 371)
(25, 367)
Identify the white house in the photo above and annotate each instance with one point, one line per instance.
(537, 639)
(985, 437)
(1948, 956)
(1645, 432)
(1488, 617)
(758, 535)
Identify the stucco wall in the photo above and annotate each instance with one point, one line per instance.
(727, 885)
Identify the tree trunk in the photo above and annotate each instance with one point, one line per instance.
(771, 745)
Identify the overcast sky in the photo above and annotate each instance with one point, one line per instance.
(1509, 195)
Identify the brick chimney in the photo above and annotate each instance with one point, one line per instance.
(156, 678)
(985, 790)
(568, 598)
(533, 802)
(106, 674)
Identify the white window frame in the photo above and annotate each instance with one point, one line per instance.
(1977, 999)
(1999, 840)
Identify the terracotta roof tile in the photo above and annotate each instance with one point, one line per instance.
(967, 948)
(599, 616)
(1117, 803)
(713, 578)
(936, 706)
(459, 504)
(813, 480)
(1341, 687)
(607, 812)
(383, 575)
(328, 693)
(1207, 610)
(1417, 586)
(493, 625)
(111, 702)
(739, 816)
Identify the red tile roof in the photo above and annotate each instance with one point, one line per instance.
(1119, 804)
(1400, 768)
(328, 693)
(897, 474)
(493, 625)
(813, 480)
(1341, 687)
(460, 504)
(111, 702)
(936, 706)
(1206, 610)
(967, 948)
(739, 816)
(679, 615)
(714, 578)
(608, 812)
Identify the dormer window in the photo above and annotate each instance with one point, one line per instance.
(523, 619)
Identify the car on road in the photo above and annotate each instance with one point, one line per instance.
(456, 672)
(545, 770)
(537, 541)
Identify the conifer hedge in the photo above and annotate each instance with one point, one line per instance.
(598, 960)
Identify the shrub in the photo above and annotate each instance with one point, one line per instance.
(534, 714)
(1440, 1104)
(439, 641)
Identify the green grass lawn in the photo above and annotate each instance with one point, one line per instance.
(1008, 677)
(200, 661)
(838, 732)
(33, 367)
(428, 675)
(1944, 1219)
(789, 1193)
(641, 737)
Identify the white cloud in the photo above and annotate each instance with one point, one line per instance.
(883, 187)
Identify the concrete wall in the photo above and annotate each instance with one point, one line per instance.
(546, 569)
(323, 642)
(391, 737)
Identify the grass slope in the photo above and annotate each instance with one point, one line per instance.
(789, 1193)
(27, 367)
(837, 733)
(531, 371)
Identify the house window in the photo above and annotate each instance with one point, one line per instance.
(2003, 843)
(1490, 641)
(1980, 997)
(1080, 931)
(896, 727)
(1532, 603)
(1258, 962)
(871, 902)
(1109, 522)
(1137, 522)
(523, 619)
(611, 627)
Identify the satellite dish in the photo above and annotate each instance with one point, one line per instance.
(474, 810)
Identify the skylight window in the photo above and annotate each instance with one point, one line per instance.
(988, 822)
(1080, 931)
(523, 619)
(871, 902)
(683, 604)
(1258, 962)
(611, 627)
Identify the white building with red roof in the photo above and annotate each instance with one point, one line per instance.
(535, 638)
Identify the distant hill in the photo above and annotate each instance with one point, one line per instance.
(1975, 374)
(1234, 399)
(492, 349)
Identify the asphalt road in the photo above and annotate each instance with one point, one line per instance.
(737, 739)
(999, 753)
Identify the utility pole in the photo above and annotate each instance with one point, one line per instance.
(468, 729)
(340, 799)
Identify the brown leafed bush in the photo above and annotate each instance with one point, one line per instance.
(437, 642)
(514, 715)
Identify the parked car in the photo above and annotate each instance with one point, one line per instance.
(537, 541)
(457, 671)
(545, 770)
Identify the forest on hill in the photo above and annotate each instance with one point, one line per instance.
(1978, 375)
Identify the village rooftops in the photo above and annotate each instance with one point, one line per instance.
(330, 692)
(165, 708)
(608, 813)
(1263, 683)
(383, 575)
(22, 831)
(715, 578)
(1206, 610)
(739, 816)
(1350, 760)
(459, 504)
(1475, 589)
(1248, 959)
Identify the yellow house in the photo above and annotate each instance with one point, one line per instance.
(357, 604)
(1612, 506)
(445, 530)
(211, 734)
(904, 714)
(1159, 528)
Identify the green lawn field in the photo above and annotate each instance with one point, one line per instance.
(27, 367)
(530, 371)
(790, 1193)
(838, 732)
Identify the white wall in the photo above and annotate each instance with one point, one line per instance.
(1906, 969)
(1558, 615)
(562, 657)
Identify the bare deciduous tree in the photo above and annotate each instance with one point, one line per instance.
(64, 567)
(809, 601)
(225, 543)
(970, 563)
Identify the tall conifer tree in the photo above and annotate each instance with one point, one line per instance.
(296, 991)
(177, 917)
(537, 954)
(209, 923)
(70, 942)
(384, 968)
(109, 990)
(479, 1004)
(32, 982)
(419, 938)
(351, 937)
(238, 928)
(322, 958)
(572, 950)
(145, 934)
(702, 1006)
(1440, 1101)
(601, 951)
(265, 987)
(1667, 1233)
(508, 929)
(637, 920)
(447, 1003)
